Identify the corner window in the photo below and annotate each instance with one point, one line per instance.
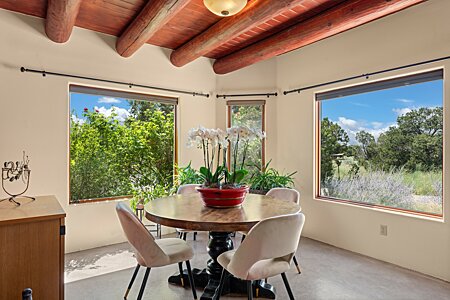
(119, 141)
(381, 144)
(251, 114)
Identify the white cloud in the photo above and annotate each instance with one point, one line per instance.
(377, 125)
(405, 100)
(77, 120)
(352, 127)
(109, 100)
(349, 123)
(402, 111)
(121, 113)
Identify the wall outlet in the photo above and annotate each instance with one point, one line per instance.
(383, 230)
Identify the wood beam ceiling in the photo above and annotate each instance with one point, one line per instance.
(256, 12)
(152, 18)
(340, 18)
(61, 17)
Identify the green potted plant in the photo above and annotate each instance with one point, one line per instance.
(223, 186)
(266, 178)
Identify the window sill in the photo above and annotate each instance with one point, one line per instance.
(389, 210)
(100, 200)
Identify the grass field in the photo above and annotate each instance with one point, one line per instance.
(417, 191)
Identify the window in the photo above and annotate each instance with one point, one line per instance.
(120, 143)
(250, 114)
(380, 144)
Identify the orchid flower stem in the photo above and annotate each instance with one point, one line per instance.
(207, 154)
(204, 152)
(225, 169)
(213, 153)
(244, 154)
(235, 158)
(218, 157)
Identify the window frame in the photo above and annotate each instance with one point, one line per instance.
(111, 92)
(317, 144)
(262, 103)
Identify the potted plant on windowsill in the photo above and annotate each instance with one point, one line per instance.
(266, 178)
(223, 186)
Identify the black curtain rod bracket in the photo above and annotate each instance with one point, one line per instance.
(130, 85)
(367, 75)
(268, 95)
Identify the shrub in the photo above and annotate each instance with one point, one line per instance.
(375, 187)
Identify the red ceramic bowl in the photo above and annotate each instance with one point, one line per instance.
(223, 198)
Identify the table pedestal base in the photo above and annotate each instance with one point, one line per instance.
(209, 278)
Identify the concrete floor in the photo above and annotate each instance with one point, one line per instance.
(328, 273)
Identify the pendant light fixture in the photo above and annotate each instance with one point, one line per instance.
(225, 8)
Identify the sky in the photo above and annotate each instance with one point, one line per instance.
(376, 111)
(104, 105)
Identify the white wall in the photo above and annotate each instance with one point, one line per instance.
(419, 33)
(34, 111)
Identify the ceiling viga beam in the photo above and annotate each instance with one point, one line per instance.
(61, 17)
(340, 18)
(255, 13)
(152, 18)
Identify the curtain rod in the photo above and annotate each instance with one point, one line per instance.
(298, 90)
(130, 85)
(268, 95)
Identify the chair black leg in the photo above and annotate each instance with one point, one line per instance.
(288, 288)
(184, 236)
(219, 289)
(136, 270)
(144, 282)
(243, 238)
(297, 265)
(249, 290)
(179, 235)
(180, 267)
(195, 236)
(158, 231)
(191, 279)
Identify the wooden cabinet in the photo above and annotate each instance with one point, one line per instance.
(32, 248)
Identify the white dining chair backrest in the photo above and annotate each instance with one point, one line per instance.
(272, 238)
(285, 194)
(140, 238)
(187, 189)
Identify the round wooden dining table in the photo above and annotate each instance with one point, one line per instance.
(188, 212)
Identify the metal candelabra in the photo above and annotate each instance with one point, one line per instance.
(14, 172)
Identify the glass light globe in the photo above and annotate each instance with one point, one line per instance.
(225, 8)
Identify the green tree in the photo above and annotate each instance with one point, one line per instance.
(334, 144)
(416, 143)
(109, 158)
(250, 116)
(426, 153)
(394, 148)
(425, 120)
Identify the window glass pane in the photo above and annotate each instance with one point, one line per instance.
(252, 117)
(117, 144)
(384, 147)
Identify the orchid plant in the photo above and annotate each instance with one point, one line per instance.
(215, 144)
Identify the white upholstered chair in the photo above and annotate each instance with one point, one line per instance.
(183, 190)
(266, 251)
(152, 253)
(288, 195)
